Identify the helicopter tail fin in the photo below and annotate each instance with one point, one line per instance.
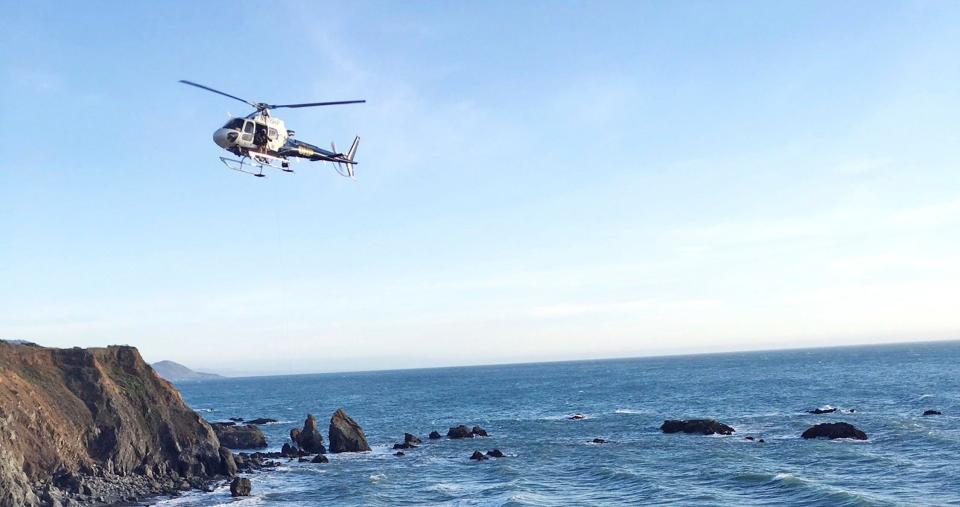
(346, 164)
(352, 152)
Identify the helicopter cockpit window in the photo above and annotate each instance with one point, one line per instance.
(235, 124)
(248, 127)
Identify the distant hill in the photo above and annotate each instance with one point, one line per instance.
(20, 342)
(176, 372)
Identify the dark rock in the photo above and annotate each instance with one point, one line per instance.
(261, 420)
(461, 431)
(577, 417)
(761, 441)
(852, 410)
(409, 438)
(932, 412)
(345, 434)
(399, 453)
(495, 453)
(822, 410)
(245, 436)
(240, 487)
(478, 431)
(305, 460)
(236, 419)
(309, 438)
(834, 430)
(702, 426)
(748, 438)
(404, 445)
(434, 435)
(288, 451)
(320, 458)
(599, 441)
(477, 455)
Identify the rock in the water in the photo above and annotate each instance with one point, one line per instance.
(477, 455)
(345, 434)
(599, 441)
(748, 438)
(761, 441)
(462, 431)
(308, 438)
(834, 430)
(577, 417)
(240, 487)
(410, 441)
(288, 451)
(495, 453)
(478, 431)
(261, 420)
(702, 426)
(399, 453)
(932, 412)
(434, 435)
(823, 410)
(320, 458)
(236, 419)
(246, 436)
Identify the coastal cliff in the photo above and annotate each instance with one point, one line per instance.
(97, 426)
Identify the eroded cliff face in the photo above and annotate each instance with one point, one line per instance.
(96, 426)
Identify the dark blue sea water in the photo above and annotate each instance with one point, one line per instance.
(908, 459)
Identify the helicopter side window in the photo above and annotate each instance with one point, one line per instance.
(247, 137)
(272, 133)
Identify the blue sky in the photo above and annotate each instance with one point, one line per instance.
(537, 181)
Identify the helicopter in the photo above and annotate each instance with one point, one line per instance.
(262, 140)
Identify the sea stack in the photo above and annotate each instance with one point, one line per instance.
(345, 434)
(99, 422)
(309, 439)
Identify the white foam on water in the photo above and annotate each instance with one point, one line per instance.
(378, 477)
(631, 411)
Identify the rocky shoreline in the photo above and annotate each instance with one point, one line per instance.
(92, 427)
(97, 427)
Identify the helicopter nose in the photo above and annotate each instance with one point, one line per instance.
(225, 137)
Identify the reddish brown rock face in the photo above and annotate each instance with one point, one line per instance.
(346, 435)
(88, 418)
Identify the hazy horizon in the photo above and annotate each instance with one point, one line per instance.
(536, 181)
(414, 366)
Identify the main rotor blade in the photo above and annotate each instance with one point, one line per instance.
(191, 83)
(313, 104)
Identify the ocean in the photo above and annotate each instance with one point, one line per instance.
(550, 460)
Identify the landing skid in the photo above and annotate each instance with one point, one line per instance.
(254, 162)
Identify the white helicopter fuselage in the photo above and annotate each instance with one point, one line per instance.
(243, 133)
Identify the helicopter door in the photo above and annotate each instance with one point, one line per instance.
(246, 139)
